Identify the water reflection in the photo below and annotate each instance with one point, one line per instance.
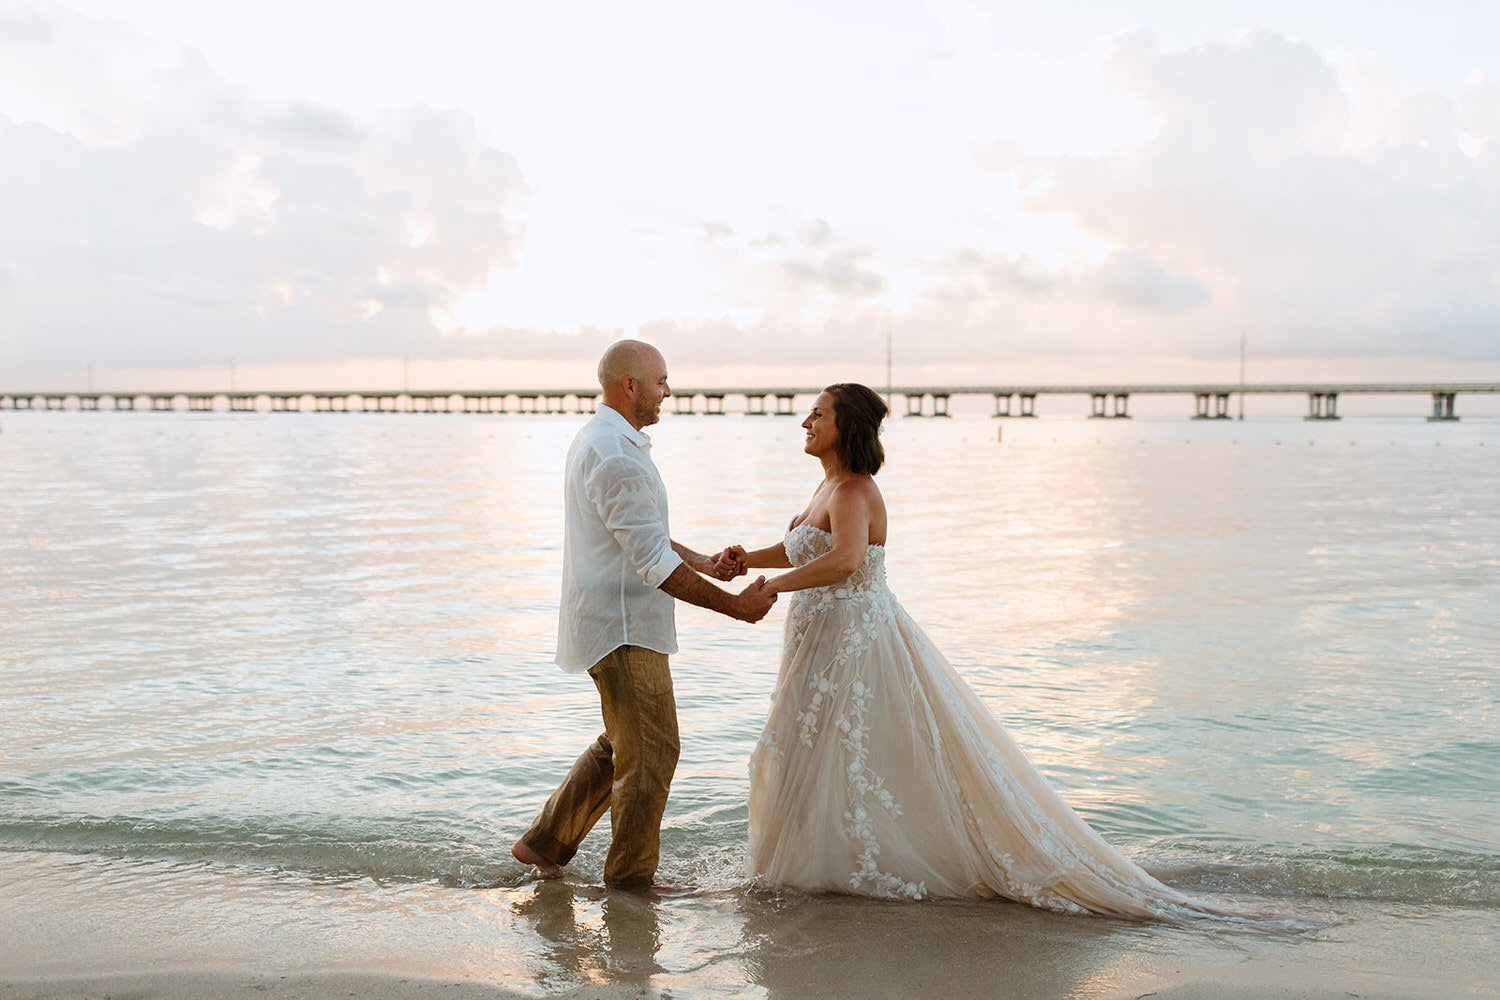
(817, 946)
(592, 935)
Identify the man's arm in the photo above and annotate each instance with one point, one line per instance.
(697, 560)
(624, 495)
(749, 605)
(620, 492)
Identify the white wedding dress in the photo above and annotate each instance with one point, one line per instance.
(881, 773)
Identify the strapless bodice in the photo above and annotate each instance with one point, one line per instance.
(806, 542)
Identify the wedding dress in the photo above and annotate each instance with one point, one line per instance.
(881, 773)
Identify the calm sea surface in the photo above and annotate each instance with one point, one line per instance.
(1263, 656)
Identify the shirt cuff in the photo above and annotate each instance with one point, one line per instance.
(655, 574)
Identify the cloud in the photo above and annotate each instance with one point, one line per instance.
(173, 219)
(803, 273)
(1135, 279)
(1311, 201)
(1319, 205)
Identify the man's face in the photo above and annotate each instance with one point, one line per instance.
(651, 389)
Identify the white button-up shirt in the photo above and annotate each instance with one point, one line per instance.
(617, 548)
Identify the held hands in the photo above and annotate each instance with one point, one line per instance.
(755, 600)
(728, 564)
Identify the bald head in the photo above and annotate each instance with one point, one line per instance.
(627, 357)
(633, 376)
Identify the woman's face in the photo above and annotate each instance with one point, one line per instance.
(822, 435)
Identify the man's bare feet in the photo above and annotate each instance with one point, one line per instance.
(527, 856)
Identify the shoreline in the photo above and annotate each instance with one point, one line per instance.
(226, 984)
(1251, 979)
(91, 927)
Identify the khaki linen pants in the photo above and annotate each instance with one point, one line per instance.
(627, 770)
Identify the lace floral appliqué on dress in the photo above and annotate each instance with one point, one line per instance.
(881, 773)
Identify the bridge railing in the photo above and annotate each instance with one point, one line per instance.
(1106, 402)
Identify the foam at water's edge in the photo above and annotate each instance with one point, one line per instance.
(435, 853)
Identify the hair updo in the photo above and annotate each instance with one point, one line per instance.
(857, 413)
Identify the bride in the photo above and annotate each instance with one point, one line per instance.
(880, 772)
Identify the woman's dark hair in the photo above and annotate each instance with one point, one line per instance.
(857, 413)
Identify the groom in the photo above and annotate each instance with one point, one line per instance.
(621, 571)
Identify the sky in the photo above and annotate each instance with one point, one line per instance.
(448, 194)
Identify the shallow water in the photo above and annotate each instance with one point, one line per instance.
(1260, 657)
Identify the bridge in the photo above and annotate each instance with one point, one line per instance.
(1106, 401)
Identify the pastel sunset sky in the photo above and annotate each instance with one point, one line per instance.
(494, 191)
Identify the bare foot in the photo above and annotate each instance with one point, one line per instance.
(527, 856)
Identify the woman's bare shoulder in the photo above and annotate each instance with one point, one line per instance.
(860, 490)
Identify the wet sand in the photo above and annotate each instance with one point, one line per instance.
(75, 927)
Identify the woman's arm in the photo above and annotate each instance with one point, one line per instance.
(849, 519)
(770, 557)
(734, 561)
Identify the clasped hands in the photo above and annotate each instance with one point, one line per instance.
(755, 600)
(727, 563)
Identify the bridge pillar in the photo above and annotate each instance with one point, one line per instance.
(1118, 407)
(159, 403)
(200, 404)
(914, 404)
(1028, 404)
(755, 405)
(1002, 404)
(1322, 406)
(1219, 410)
(940, 404)
(685, 404)
(1442, 407)
(715, 401)
(785, 402)
(588, 403)
(89, 402)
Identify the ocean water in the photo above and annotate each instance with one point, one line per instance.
(1261, 657)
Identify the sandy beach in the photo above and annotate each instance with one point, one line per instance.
(218, 931)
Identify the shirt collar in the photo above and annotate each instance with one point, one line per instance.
(615, 419)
